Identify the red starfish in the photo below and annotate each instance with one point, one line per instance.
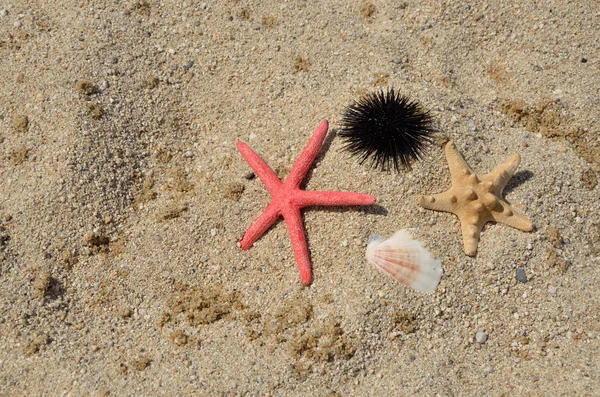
(288, 198)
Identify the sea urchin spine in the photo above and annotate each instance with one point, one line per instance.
(389, 128)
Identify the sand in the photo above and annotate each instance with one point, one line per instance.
(123, 199)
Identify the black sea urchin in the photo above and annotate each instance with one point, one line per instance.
(387, 127)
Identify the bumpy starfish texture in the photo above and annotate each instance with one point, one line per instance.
(288, 199)
(476, 199)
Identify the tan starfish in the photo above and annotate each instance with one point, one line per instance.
(476, 199)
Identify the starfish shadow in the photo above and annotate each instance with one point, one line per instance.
(320, 156)
(376, 209)
(373, 209)
(326, 145)
(517, 180)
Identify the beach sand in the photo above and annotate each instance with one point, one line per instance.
(123, 199)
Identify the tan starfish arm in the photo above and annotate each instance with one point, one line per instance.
(470, 232)
(502, 174)
(457, 164)
(438, 202)
(510, 217)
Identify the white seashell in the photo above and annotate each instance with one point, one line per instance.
(406, 260)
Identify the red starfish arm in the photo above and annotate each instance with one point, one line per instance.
(264, 172)
(309, 197)
(260, 226)
(293, 219)
(308, 155)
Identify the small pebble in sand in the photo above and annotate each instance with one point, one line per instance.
(124, 312)
(111, 60)
(521, 276)
(42, 282)
(234, 190)
(188, 65)
(189, 154)
(250, 175)
(3, 13)
(85, 87)
(552, 290)
(152, 82)
(18, 24)
(21, 122)
(485, 148)
(141, 363)
(529, 246)
(524, 144)
(481, 337)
